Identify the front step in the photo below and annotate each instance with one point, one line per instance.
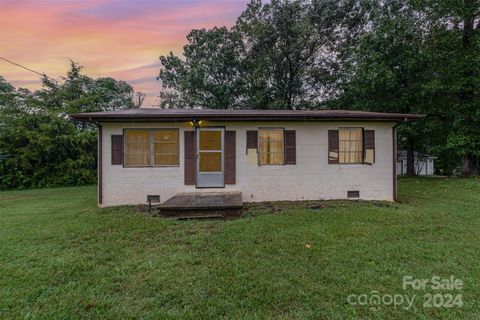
(201, 205)
(199, 213)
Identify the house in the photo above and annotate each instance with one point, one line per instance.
(267, 155)
(424, 164)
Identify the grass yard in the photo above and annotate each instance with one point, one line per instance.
(63, 258)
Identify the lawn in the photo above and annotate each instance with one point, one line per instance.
(63, 258)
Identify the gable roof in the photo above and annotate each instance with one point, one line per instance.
(153, 114)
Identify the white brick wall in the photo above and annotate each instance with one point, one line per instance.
(312, 178)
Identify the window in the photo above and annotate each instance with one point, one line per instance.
(166, 147)
(270, 147)
(151, 147)
(350, 145)
(137, 147)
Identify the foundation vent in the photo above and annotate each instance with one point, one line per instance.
(354, 194)
(153, 198)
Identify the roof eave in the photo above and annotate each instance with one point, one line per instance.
(289, 118)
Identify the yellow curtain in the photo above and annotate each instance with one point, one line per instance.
(210, 161)
(350, 145)
(166, 147)
(210, 140)
(137, 147)
(270, 146)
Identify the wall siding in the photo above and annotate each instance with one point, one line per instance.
(311, 178)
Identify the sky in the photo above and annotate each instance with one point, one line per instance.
(122, 39)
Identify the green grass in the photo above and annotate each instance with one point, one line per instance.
(61, 257)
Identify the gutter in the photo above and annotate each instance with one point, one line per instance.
(91, 119)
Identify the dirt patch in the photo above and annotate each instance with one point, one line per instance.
(272, 207)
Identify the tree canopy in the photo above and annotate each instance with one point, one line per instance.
(412, 56)
(39, 144)
(407, 56)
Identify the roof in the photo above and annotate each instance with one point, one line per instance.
(153, 114)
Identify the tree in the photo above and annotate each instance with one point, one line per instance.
(454, 42)
(211, 74)
(80, 93)
(278, 55)
(407, 56)
(7, 92)
(292, 50)
(386, 69)
(39, 144)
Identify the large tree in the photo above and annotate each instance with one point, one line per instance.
(279, 54)
(39, 144)
(421, 57)
(289, 48)
(210, 75)
(454, 88)
(406, 56)
(387, 67)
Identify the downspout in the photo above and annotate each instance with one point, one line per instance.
(100, 164)
(394, 158)
(394, 161)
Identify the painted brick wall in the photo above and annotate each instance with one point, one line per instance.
(312, 178)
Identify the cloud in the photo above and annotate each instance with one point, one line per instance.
(120, 39)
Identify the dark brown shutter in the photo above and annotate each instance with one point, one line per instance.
(333, 146)
(369, 139)
(230, 157)
(117, 149)
(189, 157)
(290, 147)
(251, 139)
(369, 145)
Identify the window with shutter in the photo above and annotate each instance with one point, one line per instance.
(351, 146)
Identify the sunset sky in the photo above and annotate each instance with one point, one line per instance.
(110, 38)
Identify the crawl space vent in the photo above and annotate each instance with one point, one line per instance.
(153, 198)
(353, 194)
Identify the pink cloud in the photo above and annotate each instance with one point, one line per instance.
(110, 38)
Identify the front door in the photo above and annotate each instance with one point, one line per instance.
(210, 164)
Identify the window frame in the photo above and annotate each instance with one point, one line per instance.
(152, 148)
(258, 146)
(362, 161)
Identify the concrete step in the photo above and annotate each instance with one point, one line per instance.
(210, 204)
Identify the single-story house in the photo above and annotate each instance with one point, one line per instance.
(267, 155)
(424, 164)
